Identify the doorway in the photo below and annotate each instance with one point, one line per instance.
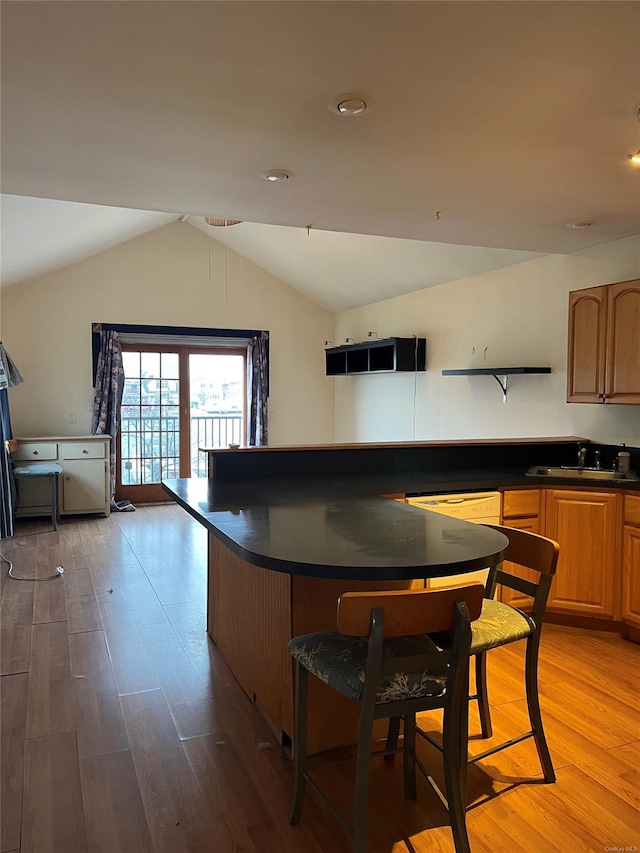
(176, 400)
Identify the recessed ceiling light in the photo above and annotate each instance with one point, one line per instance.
(635, 158)
(577, 225)
(348, 105)
(275, 175)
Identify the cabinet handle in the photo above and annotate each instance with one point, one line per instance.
(35, 452)
(85, 451)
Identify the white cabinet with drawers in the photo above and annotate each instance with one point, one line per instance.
(84, 482)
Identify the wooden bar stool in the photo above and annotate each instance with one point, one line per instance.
(382, 660)
(500, 624)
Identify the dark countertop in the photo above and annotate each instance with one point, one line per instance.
(328, 528)
(338, 525)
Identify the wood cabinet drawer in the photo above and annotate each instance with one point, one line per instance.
(632, 509)
(35, 451)
(83, 450)
(520, 503)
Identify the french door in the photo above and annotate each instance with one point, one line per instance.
(176, 399)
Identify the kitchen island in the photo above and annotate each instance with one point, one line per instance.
(291, 529)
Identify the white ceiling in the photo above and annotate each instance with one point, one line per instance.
(510, 119)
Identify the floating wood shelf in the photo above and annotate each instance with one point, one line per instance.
(500, 374)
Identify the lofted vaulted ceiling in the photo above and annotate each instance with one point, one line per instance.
(490, 125)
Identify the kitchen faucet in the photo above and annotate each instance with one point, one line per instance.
(582, 455)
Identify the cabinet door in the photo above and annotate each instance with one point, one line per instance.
(623, 343)
(631, 576)
(587, 527)
(512, 596)
(84, 486)
(587, 338)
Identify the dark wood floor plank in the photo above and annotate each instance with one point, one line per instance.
(83, 613)
(13, 723)
(17, 603)
(132, 668)
(142, 599)
(178, 816)
(49, 600)
(113, 807)
(15, 648)
(51, 706)
(189, 696)
(100, 727)
(53, 814)
(237, 799)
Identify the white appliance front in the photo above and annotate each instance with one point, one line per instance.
(477, 507)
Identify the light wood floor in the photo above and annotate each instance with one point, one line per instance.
(122, 729)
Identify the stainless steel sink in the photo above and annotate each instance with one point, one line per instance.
(569, 472)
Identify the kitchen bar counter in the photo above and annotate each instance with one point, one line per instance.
(291, 529)
(324, 528)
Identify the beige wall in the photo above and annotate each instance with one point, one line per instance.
(519, 315)
(173, 276)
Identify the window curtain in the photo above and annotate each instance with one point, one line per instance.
(258, 388)
(106, 404)
(10, 376)
(6, 494)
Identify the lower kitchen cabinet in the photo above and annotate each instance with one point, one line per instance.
(84, 485)
(521, 509)
(586, 525)
(631, 562)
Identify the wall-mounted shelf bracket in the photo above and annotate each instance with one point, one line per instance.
(500, 374)
(502, 381)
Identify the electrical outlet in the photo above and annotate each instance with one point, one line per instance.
(73, 418)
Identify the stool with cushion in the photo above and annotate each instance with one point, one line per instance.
(49, 470)
(382, 660)
(500, 624)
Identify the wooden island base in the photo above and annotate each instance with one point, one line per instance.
(252, 615)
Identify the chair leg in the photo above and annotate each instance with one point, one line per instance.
(483, 696)
(392, 736)
(533, 705)
(299, 742)
(454, 745)
(361, 799)
(54, 501)
(409, 756)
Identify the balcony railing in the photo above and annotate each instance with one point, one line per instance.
(146, 441)
(212, 431)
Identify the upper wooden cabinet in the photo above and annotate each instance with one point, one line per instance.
(603, 364)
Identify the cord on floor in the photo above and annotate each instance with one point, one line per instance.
(58, 572)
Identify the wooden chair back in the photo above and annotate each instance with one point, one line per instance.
(530, 550)
(407, 611)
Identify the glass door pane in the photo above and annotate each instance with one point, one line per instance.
(150, 418)
(217, 407)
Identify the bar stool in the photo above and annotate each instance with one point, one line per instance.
(382, 660)
(500, 624)
(49, 470)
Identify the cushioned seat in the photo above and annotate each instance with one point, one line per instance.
(341, 661)
(499, 624)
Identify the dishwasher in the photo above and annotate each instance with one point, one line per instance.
(479, 507)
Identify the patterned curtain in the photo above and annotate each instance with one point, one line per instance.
(258, 387)
(6, 494)
(106, 404)
(10, 376)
